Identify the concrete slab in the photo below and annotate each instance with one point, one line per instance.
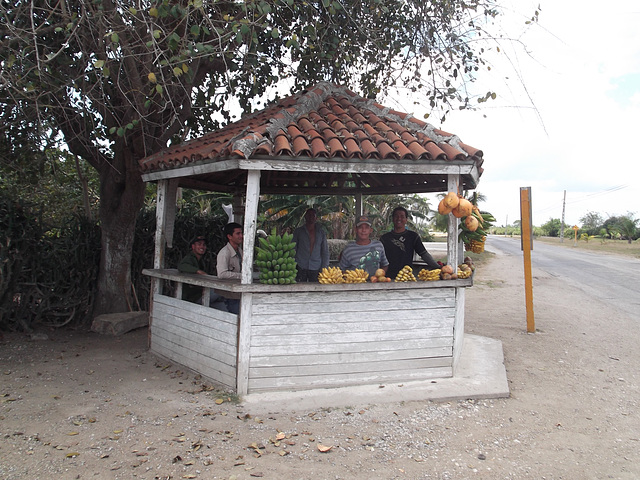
(119, 323)
(480, 374)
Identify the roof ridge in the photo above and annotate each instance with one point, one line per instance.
(410, 121)
(309, 101)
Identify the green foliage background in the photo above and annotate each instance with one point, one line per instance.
(48, 273)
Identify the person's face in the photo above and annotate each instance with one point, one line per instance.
(310, 217)
(363, 231)
(235, 239)
(199, 248)
(399, 221)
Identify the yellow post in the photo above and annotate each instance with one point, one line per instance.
(575, 235)
(525, 225)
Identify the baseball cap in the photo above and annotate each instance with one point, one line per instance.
(363, 219)
(198, 239)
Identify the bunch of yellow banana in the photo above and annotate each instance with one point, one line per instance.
(429, 275)
(464, 271)
(355, 276)
(330, 275)
(406, 275)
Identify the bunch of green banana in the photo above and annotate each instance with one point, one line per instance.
(275, 257)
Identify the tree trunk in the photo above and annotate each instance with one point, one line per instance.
(121, 198)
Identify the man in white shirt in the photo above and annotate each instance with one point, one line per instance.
(229, 260)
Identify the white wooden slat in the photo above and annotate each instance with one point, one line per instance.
(344, 368)
(392, 307)
(334, 381)
(345, 338)
(332, 359)
(441, 323)
(400, 297)
(412, 344)
(363, 166)
(427, 317)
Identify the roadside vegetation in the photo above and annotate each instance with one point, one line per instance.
(615, 246)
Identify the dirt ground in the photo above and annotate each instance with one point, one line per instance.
(83, 406)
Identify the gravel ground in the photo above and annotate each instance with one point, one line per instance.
(77, 405)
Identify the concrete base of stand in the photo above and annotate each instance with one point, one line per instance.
(119, 323)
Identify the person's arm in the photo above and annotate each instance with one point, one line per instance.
(189, 264)
(384, 262)
(324, 252)
(428, 259)
(344, 262)
(425, 255)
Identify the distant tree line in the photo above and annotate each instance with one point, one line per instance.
(623, 227)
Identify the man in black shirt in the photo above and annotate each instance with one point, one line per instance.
(401, 244)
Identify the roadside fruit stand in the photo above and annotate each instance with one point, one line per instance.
(348, 329)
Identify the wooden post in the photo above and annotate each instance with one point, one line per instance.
(250, 221)
(453, 246)
(526, 227)
(161, 205)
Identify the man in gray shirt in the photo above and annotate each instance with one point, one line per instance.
(364, 253)
(312, 250)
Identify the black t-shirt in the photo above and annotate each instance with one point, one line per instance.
(400, 249)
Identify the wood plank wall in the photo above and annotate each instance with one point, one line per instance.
(333, 339)
(200, 338)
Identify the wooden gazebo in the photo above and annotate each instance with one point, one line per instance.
(323, 141)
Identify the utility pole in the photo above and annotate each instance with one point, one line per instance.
(564, 201)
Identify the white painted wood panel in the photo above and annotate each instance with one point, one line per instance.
(199, 338)
(334, 381)
(353, 357)
(318, 339)
(208, 365)
(292, 348)
(344, 368)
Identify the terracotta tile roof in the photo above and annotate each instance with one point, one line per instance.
(326, 123)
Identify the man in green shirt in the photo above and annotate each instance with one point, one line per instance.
(193, 262)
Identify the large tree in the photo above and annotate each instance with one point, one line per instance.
(114, 80)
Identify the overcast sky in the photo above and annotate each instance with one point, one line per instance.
(583, 77)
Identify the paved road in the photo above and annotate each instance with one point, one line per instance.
(611, 278)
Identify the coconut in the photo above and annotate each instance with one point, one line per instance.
(471, 223)
(464, 208)
(443, 209)
(451, 200)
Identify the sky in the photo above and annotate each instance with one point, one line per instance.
(567, 115)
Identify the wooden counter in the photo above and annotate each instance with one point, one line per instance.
(308, 335)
